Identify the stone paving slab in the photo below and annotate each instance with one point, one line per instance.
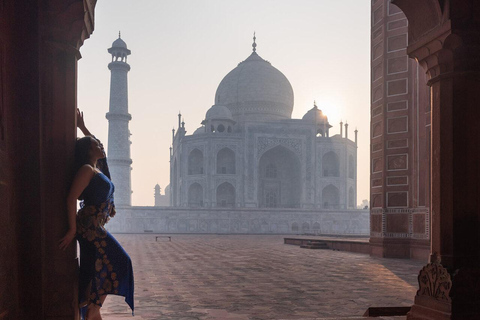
(254, 277)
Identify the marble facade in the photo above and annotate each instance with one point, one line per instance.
(239, 220)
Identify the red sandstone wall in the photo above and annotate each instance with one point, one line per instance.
(400, 150)
(8, 220)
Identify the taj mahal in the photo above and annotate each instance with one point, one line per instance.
(249, 167)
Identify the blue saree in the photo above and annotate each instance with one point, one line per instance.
(105, 267)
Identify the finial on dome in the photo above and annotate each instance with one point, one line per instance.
(315, 104)
(254, 45)
(119, 36)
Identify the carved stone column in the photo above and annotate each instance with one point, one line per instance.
(444, 37)
(64, 25)
(39, 42)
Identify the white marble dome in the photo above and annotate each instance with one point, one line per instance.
(119, 43)
(199, 130)
(315, 115)
(256, 91)
(217, 112)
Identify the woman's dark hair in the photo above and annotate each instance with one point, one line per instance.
(82, 152)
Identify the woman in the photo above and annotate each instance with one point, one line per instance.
(105, 268)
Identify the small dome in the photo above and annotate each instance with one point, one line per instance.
(199, 130)
(315, 115)
(119, 43)
(217, 112)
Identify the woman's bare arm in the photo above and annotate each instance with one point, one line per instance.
(81, 123)
(80, 182)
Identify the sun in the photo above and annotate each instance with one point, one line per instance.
(331, 106)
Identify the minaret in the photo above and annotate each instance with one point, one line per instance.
(157, 194)
(118, 117)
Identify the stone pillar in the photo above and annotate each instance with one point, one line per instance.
(39, 42)
(444, 37)
(399, 213)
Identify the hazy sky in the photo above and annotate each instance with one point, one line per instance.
(182, 49)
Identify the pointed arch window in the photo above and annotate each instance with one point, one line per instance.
(271, 171)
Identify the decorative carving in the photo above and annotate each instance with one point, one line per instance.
(266, 143)
(397, 181)
(230, 146)
(397, 162)
(232, 181)
(377, 93)
(201, 182)
(396, 87)
(397, 105)
(377, 32)
(200, 147)
(376, 200)
(376, 183)
(394, 144)
(398, 64)
(399, 124)
(434, 281)
(377, 72)
(377, 111)
(376, 129)
(376, 147)
(377, 165)
(397, 42)
(397, 199)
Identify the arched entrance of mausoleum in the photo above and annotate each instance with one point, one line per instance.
(279, 179)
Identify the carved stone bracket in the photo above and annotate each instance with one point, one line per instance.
(434, 281)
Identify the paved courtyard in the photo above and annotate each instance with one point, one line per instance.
(249, 277)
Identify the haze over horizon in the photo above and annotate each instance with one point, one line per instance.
(181, 50)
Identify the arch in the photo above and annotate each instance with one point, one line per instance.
(331, 165)
(195, 162)
(351, 167)
(225, 195)
(351, 198)
(316, 227)
(295, 227)
(271, 171)
(229, 130)
(220, 128)
(195, 195)
(305, 227)
(330, 197)
(279, 179)
(226, 161)
(422, 16)
(271, 200)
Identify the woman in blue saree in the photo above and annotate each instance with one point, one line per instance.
(105, 268)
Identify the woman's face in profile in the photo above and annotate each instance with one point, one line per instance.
(96, 149)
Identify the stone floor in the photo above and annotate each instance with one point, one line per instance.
(249, 277)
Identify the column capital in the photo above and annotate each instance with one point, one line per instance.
(441, 39)
(68, 23)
